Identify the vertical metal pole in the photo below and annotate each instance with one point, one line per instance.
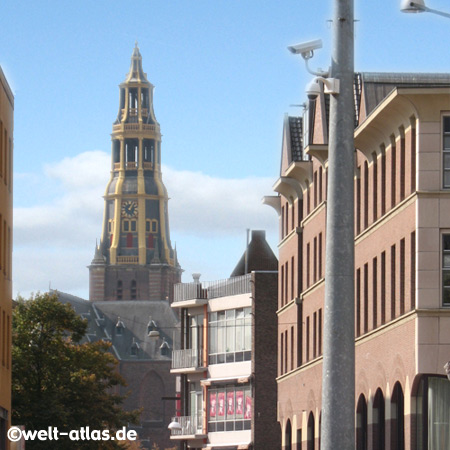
(338, 386)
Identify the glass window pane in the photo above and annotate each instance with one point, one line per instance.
(446, 241)
(446, 142)
(230, 314)
(446, 296)
(446, 259)
(447, 124)
(446, 178)
(446, 278)
(239, 313)
(213, 339)
(221, 337)
(438, 413)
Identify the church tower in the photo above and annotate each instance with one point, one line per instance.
(135, 259)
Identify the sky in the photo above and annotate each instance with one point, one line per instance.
(224, 81)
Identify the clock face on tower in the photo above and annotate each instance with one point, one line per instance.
(129, 208)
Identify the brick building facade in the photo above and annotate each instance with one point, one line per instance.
(227, 362)
(6, 217)
(402, 239)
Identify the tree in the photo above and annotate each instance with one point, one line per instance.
(57, 380)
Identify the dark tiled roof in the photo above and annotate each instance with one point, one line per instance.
(260, 256)
(103, 318)
(296, 138)
(377, 86)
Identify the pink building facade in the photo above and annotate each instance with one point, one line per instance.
(402, 265)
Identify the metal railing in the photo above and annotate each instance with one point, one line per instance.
(190, 425)
(136, 127)
(183, 359)
(212, 289)
(128, 259)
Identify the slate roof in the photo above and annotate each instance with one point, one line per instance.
(126, 325)
(260, 256)
(378, 85)
(296, 138)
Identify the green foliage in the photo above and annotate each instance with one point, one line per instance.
(59, 381)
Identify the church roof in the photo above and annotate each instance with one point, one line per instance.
(127, 325)
(259, 256)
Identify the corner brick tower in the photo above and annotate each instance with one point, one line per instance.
(135, 259)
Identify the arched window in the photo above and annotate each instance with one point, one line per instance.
(288, 436)
(378, 421)
(310, 432)
(361, 424)
(398, 420)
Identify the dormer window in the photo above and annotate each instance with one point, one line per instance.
(134, 350)
(120, 326)
(165, 348)
(151, 326)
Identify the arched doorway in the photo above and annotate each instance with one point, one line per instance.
(378, 432)
(310, 432)
(398, 418)
(288, 436)
(361, 423)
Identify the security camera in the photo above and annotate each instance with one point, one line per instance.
(306, 48)
(313, 89)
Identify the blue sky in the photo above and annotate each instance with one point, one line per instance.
(223, 82)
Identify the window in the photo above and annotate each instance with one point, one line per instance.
(230, 338)
(413, 155)
(446, 152)
(133, 290)
(402, 163)
(358, 302)
(402, 276)
(196, 405)
(366, 298)
(433, 413)
(119, 290)
(374, 293)
(446, 269)
(383, 181)
(393, 171)
(375, 187)
(358, 202)
(413, 270)
(366, 194)
(307, 338)
(230, 408)
(383, 288)
(393, 284)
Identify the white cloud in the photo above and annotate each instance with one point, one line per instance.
(54, 237)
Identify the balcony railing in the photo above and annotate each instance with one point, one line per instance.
(213, 289)
(190, 425)
(187, 358)
(127, 259)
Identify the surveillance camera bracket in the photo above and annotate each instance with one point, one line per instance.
(331, 85)
(319, 72)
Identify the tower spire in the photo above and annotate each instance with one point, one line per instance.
(140, 263)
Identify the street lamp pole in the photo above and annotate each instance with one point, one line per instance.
(338, 383)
